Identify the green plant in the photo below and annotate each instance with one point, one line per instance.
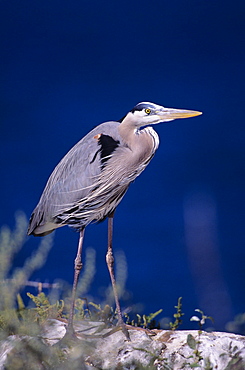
(44, 309)
(144, 321)
(193, 344)
(11, 242)
(201, 321)
(177, 315)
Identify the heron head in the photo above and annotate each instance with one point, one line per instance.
(146, 113)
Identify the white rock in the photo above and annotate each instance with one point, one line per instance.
(217, 348)
(102, 348)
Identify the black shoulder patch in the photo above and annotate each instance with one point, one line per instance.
(107, 147)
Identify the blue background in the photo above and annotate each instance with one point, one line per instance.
(67, 66)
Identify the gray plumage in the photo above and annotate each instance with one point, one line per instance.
(91, 179)
(94, 175)
(85, 186)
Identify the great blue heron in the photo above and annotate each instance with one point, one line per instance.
(92, 178)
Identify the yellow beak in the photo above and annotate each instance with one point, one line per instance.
(169, 114)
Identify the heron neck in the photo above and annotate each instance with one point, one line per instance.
(142, 142)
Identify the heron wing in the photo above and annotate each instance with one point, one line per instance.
(73, 179)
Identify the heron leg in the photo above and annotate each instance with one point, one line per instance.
(77, 270)
(110, 265)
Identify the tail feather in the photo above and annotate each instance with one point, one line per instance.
(38, 227)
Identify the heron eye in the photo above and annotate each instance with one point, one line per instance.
(147, 111)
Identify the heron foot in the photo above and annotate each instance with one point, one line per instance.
(69, 339)
(122, 325)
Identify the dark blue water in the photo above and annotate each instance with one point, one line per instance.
(66, 67)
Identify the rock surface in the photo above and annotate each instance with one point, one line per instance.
(100, 348)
